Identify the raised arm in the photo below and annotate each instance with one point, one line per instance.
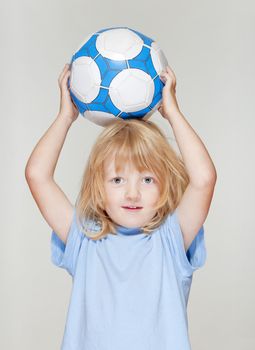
(196, 200)
(39, 171)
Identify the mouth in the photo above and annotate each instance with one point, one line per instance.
(133, 208)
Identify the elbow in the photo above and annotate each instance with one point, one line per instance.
(210, 179)
(31, 173)
(207, 180)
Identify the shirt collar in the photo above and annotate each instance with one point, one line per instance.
(128, 230)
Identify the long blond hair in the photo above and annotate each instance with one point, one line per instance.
(144, 144)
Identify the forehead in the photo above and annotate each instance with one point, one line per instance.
(110, 166)
(125, 166)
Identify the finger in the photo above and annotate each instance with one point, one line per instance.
(66, 75)
(171, 81)
(169, 69)
(64, 70)
(167, 79)
(63, 82)
(171, 72)
(164, 76)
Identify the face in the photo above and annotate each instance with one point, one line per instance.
(130, 188)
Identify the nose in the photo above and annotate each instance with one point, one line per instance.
(133, 192)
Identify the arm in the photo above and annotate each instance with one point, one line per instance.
(43, 160)
(196, 158)
(196, 200)
(39, 172)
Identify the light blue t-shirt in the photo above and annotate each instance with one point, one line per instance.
(130, 290)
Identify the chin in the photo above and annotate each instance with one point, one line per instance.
(133, 223)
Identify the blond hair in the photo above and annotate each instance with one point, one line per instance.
(144, 144)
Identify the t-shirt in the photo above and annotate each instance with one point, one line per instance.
(130, 290)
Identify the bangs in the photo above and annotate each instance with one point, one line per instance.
(134, 149)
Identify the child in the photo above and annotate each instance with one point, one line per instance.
(135, 235)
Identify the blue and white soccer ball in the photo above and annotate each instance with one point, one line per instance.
(115, 74)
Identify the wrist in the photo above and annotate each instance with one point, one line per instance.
(66, 119)
(173, 115)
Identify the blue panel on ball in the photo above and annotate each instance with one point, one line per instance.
(139, 61)
(88, 49)
(116, 65)
(109, 69)
(138, 114)
(106, 81)
(128, 116)
(142, 112)
(103, 103)
(97, 107)
(124, 115)
(102, 65)
(144, 54)
(102, 96)
(82, 107)
(158, 85)
(151, 68)
(144, 62)
(111, 107)
(134, 63)
(155, 100)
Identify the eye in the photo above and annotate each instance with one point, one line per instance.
(116, 178)
(150, 178)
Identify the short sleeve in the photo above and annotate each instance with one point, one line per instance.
(66, 255)
(195, 256)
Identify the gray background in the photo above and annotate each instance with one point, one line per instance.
(210, 47)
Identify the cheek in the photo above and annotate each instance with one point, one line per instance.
(155, 195)
(111, 196)
(154, 190)
(108, 191)
(107, 196)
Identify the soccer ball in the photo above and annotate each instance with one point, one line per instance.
(115, 74)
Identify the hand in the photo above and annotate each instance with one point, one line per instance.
(67, 108)
(169, 104)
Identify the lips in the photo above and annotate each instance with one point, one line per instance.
(131, 208)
